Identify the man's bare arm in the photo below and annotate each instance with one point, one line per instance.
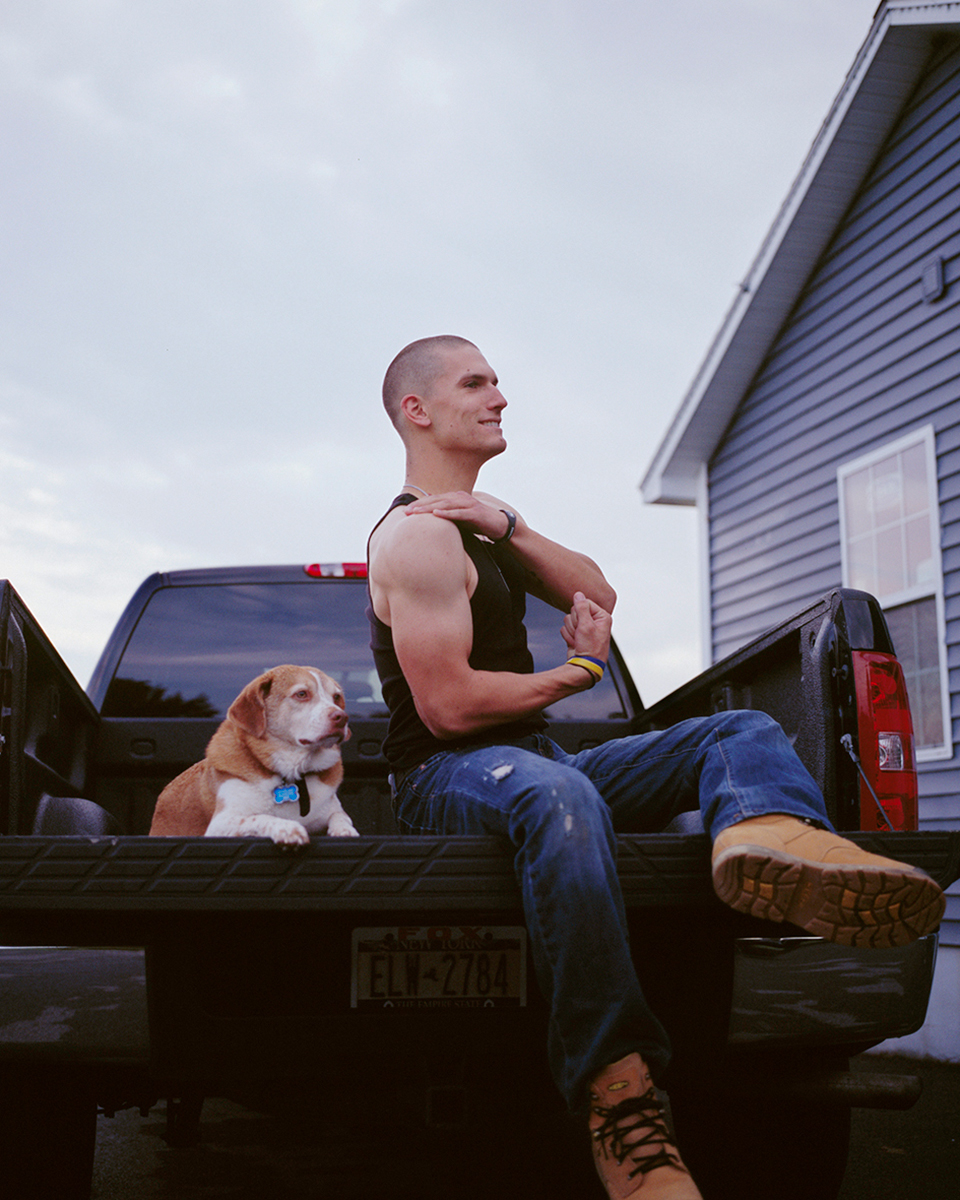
(555, 572)
(420, 584)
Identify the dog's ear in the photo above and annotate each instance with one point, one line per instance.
(340, 700)
(249, 710)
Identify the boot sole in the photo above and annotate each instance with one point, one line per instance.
(859, 906)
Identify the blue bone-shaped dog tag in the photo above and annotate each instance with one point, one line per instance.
(286, 793)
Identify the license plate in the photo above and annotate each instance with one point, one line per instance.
(439, 966)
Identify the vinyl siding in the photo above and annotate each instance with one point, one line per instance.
(861, 360)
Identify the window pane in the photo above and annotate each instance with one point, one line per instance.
(886, 492)
(916, 493)
(891, 567)
(856, 503)
(913, 628)
(860, 569)
(902, 625)
(929, 731)
(925, 626)
(195, 648)
(920, 564)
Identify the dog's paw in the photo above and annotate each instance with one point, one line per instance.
(341, 826)
(289, 833)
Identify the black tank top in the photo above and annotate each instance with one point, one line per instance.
(497, 607)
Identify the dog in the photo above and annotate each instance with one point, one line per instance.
(272, 769)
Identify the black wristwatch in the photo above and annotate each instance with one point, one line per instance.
(511, 526)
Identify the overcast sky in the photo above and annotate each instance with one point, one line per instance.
(222, 218)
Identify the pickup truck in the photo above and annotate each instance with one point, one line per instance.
(137, 970)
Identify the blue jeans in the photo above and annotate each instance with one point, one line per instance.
(561, 813)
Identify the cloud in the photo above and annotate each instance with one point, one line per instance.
(72, 94)
(223, 219)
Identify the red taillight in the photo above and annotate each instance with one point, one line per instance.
(337, 570)
(886, 742)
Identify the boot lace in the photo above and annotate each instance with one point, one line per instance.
(640, 1118)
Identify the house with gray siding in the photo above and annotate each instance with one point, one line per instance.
(820, 439)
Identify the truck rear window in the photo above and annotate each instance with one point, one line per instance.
(195, 648)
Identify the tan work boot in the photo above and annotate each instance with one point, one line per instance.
(780, 868)
(632, 1147)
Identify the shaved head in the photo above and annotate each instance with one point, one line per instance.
(414, 370)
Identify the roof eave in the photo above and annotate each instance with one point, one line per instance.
(878, 84)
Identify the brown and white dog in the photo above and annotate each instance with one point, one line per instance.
(272, 768)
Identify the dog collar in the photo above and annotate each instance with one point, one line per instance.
(286, 793)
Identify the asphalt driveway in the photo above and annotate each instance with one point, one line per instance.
(247, 1155)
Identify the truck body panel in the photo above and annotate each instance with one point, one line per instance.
(216, 956)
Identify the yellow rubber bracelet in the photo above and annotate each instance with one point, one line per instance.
(588, 664)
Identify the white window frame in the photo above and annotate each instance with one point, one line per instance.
(926, 438)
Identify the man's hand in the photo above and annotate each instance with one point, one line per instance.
(554, 573)
(465, 509)
(586, 628)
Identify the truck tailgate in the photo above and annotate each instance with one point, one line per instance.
(64, 883)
